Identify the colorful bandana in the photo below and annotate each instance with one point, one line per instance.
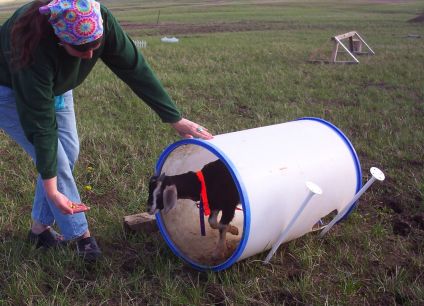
(75, 22)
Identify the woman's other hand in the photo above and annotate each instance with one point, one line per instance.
(189, 129)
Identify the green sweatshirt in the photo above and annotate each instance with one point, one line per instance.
(54, 72)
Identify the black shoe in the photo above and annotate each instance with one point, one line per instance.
(88, 249)
(47, 239)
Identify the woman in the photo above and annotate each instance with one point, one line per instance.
(46, 50)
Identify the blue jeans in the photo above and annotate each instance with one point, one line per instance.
(43, 210)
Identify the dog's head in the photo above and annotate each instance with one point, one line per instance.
(162, 195)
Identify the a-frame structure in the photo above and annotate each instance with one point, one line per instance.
(355, 46)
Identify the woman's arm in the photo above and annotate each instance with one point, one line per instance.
(122, 57)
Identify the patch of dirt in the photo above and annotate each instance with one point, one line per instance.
(245, 111)
(418, 221)
(174, 4)
(130, 260)
(379, 85)
(387, 1)
(339, 102)
(395, 205)
(188, 273)
(213, 27)
(92, 198)
(401, 228)
(388, 197)
(7, 233)
(279, 296)
(419, 18)
(404, 223)
(393, 197)
(216, 295)
(405, 219)
(132, 257)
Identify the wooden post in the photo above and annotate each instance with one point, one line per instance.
(351, 44)
(335, 50)
(357, 46)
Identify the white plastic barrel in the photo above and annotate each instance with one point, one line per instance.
(269, 166)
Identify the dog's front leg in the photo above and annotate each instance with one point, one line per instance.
(221, 247)
(213, 219)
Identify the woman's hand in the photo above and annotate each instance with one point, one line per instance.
(66, 206)
(189, 129)
(62, 202)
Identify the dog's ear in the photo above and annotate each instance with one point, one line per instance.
(169, 198)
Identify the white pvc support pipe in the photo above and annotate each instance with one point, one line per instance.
(313, 190)
(377, 174)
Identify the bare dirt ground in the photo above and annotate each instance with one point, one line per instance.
(173, 28)
(387, 1)
(419, 18)
(214, 27)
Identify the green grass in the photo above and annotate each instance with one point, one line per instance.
(230, 81)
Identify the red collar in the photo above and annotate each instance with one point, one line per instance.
(203, 193)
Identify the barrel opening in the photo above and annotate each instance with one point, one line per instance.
(189, 236)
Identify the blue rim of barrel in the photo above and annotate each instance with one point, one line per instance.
(243, 200)
(352, 153)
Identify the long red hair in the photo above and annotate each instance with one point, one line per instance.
(27, 32)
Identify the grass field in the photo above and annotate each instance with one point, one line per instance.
(238, 65)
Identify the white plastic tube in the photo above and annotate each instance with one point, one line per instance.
(269, 166)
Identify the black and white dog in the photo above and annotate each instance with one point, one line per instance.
(222, 194)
